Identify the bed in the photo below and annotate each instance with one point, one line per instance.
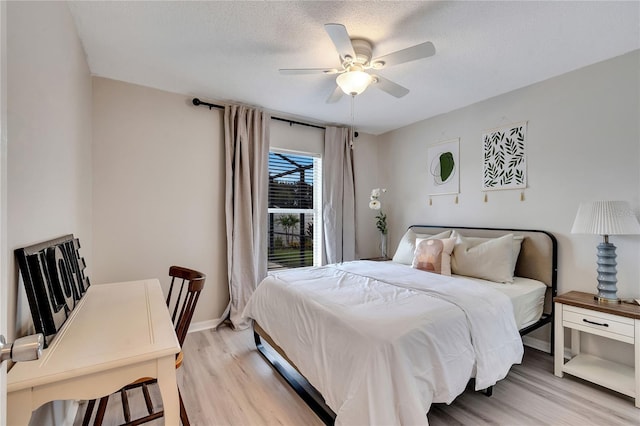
(378, 342)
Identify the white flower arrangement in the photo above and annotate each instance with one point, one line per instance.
(375, 204)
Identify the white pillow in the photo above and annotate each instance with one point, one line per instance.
(433, 255)
(517, 244)
(407, 245)
(491, 259)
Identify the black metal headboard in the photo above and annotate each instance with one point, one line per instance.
(53, 275)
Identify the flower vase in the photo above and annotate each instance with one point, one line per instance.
(383, 245)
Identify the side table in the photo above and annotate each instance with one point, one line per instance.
(579, 312)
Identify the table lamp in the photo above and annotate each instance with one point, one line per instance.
(606, 218)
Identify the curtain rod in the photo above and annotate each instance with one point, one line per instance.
(198, 102)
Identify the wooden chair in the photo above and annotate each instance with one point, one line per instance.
(186, 285)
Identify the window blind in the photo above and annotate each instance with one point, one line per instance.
(294, 210)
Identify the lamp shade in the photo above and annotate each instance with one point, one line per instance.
(605, 218)
(353, 82)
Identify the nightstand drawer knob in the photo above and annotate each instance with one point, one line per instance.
(595, 323)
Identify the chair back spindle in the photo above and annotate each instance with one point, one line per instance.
(182, 301)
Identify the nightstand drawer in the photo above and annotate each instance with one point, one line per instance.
(600, 323)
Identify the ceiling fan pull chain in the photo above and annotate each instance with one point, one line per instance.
(353, 115)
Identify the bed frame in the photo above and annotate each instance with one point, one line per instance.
(538, 260)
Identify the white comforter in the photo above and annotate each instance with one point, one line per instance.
(382, 341)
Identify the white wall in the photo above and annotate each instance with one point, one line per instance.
(49, 134)
(158, 189)
(49, 146)
(583, 144)
(296, 138)
(367, 177)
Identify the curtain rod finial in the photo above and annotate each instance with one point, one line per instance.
(196, 101)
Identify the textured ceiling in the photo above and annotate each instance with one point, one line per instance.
(232, 50)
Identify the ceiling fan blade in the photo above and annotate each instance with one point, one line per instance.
(340, 37)
(394, 89)
(409, 54)
(335, 96)
(291, 71)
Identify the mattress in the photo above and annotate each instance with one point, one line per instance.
(527, 297)
(382, 341)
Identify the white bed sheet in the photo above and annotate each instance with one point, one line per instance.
(527, 296)
(382, 341)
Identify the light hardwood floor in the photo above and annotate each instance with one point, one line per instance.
(225, 381)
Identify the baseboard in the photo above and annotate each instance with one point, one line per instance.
(532, 342)
(203, 325)
(543, 346)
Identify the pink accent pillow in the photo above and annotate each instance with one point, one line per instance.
(434, 255)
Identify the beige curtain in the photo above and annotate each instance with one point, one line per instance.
(338, 197)
(246, 138)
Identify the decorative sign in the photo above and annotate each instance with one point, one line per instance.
(54, 280)
(505, 162)
(443, 168)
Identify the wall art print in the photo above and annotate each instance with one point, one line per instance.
(504, 157)
(443, 168)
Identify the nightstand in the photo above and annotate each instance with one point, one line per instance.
(579, 312)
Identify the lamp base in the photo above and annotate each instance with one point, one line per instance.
(604, 300)
(607, 290)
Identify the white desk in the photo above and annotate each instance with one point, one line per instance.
(117, 334)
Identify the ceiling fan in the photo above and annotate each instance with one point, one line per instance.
(356, 60)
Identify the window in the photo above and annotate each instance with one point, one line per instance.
(295, 210)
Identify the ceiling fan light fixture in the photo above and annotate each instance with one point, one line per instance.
(353, 82)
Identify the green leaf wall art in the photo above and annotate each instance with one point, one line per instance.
(443, 168)
(504, 157)
(447, 166)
